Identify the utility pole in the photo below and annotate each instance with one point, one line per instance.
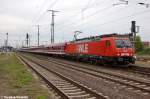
(137, 29)
(6, 44)
(29, 40)
(38, 34)
(22, 44)
(6, 39)
(52, 25)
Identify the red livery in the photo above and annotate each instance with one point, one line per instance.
(110, 49)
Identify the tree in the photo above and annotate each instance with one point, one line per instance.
(138, 44)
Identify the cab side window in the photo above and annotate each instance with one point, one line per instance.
(108, 43)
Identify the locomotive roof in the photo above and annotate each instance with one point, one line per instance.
(95, 38)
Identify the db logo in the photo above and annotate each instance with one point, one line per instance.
(82, 48)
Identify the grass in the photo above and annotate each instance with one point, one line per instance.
(15, 80)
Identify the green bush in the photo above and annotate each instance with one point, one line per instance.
(145, 51)
(138, 44)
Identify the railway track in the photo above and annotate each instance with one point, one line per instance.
(131, 68)
(65, 87)
(140, 70)
(141, 84)
(144, 59)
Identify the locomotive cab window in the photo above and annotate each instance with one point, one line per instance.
(107, 43)
(120, 43)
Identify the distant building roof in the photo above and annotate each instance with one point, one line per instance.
(146, 43)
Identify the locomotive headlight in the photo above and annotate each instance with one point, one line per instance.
(134, 57)
(118, 54)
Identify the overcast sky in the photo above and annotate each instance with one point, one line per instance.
(92, 17)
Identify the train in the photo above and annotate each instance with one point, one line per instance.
(105, 49)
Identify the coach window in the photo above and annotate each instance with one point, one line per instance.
(107, 43)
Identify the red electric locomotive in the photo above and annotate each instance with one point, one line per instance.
(110, 49)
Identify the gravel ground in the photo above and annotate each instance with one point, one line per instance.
(113, 90)
(143, 64)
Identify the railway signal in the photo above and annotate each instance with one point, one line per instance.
(134, 30)
(27, 39)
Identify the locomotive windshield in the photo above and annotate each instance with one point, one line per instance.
(120, 43)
